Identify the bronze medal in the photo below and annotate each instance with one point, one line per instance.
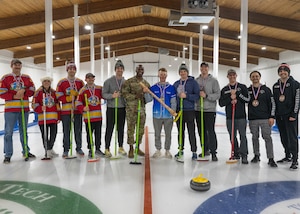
(255, 103)
(281, 98)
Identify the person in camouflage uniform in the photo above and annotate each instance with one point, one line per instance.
(132, 92)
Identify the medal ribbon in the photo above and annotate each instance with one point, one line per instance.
(72, 84)
(282, 88)
(235, 86)
(257, 92)
(18, 80)
(162, 88)
(119, 83)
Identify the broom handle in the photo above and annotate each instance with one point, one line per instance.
(89, 126)
(172, 112)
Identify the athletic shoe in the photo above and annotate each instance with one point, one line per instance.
(54, 154)
(122, 151)
(90, 153)
(99, 152)
(214, 157)
(206, 153)
(179, 154)
(255, 159)
(80, 152)
(194, 156)
(30, 155)
(49, 154)
(157, 154)
(168, 154)
(130, 153)
(285, 160)
(6, 160)
(294, 165)
(272, 163)
(107, 153)
(244, 160)
(65, 154)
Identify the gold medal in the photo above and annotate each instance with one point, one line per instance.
(281, 98)
(255, 103)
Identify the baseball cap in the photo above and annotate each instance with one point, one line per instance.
(15, 61)
(88, 75)
(230, 71)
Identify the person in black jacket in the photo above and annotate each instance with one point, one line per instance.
(261, 114)
(286, 96)
(236, 94)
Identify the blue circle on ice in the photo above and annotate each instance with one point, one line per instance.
(267, 197)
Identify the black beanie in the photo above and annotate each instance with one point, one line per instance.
(285, 67)
(183, 67)
(119, 63)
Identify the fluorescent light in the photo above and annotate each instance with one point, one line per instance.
(107, 48)
(239, 37)
(195, 19)
(28, 47)
(205, 27)
(53, 36)
(57, 58)
(87, 27)
(264, 48)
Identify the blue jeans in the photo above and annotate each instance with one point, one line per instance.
(10, 120)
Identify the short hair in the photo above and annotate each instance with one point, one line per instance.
(162, 70)
(255, 72)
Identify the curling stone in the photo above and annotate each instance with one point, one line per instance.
(199, 183)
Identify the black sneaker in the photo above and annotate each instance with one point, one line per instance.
(272, 163)
(255, 159)
(284, 160)
(294, 165)
(214, 157)
(30, 155)
(206, 153)
(99, 152)
(244, 160)
(6, 160)
(179, 154)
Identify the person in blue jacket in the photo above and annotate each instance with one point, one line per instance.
(161, 116)
(187, 89)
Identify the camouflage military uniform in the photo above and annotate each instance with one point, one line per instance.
(132, 91)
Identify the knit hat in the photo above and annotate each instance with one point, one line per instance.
(285, 67)
(70, 65)
(46, 78)
(183, 67)
(119, 63)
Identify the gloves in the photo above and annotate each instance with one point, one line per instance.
(69, 99)
(73, 92)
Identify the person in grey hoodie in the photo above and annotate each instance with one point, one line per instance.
(210, 92)
(110, 91)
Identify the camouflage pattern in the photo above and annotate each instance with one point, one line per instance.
(132, 91)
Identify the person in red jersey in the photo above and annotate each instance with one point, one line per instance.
(94, 96)
(45, 99)
(15, 89)
(67, 92)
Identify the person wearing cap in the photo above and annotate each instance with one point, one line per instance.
(132, 92)
(94, 96)
(161, 116)
(111, 91)
(210, 91)
(187, 89)
(15, 89)
(44, 100)
(286, 96)
(261, 114)
(234, 97)
(66, 92)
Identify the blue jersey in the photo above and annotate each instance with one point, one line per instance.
(167, 93)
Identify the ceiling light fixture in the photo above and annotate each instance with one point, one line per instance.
(264, 48)
(239, 37)
(53, 36)
(28, 47)
(205, 27)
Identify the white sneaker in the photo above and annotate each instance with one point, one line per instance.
(168, 154)
(157, 154)
(53, 153)
(49, 154)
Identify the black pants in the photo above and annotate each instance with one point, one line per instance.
(110, 123)
(188, 118)
(210, 138)
(49, 141)
(96, 129)
(288, 131)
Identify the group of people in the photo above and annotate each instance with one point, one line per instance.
(194, 99)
